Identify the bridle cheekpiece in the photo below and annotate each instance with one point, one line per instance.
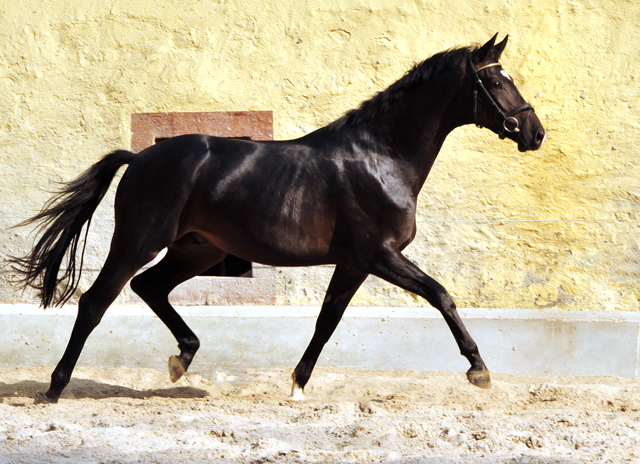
(510, 124)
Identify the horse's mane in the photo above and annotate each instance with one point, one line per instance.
(417, 76)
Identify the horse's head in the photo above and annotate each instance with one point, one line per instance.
(497, 103)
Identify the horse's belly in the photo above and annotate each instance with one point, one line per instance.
(277, 241)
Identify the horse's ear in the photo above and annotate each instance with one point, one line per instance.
(497, 51)
(483, 52)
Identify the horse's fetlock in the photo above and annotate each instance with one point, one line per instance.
(474, 358)
(189, 344)
(302, 374)
(59, 380)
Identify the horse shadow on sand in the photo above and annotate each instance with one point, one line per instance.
(91, 389)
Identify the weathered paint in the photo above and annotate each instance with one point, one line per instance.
(556, 228)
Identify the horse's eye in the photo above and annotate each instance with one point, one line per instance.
(496, 84)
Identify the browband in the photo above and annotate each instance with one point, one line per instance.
(488, 66)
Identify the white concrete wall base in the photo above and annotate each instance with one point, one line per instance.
(234, 339)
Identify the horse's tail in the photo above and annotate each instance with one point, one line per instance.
(61, 221)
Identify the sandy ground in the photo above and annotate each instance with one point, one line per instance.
(137, 416)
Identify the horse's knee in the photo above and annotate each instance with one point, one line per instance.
(446, 301)
(442, 301)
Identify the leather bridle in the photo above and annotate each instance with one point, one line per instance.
(509, 124)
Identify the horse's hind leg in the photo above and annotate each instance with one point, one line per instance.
(91, 307)
(344, 284)
(397, 269)
(155, 284)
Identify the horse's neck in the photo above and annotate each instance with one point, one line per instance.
(418, 133)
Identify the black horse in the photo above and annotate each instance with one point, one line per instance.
(345, 195)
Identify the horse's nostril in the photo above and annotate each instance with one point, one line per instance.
(540, 136)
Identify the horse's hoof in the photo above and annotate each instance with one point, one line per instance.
(176, 369)
(480, 379)
(42, 398)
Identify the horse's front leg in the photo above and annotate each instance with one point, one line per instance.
(395, 268)
(344, 284)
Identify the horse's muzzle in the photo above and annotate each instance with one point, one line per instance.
(532, 143)
(531, 135)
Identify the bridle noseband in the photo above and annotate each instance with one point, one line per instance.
(510, 123)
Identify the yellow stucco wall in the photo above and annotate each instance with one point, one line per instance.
(556, 228)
